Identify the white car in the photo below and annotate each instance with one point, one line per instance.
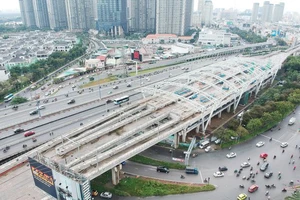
(47, 93)
(284, 144)
(218, 174)
(245, 164)
(208, 149)
(260, 144)
(231, 155)
(106, 195)
(41, 107)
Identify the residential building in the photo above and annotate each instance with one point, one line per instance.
(196, 19)
(57, 14)
(79, 14)
(27, 13)
(173, 16)
(208, 13)
(111, 17)
(41, 13)
(267, 12)
(255, 9)
(278, 12)
(141, 15)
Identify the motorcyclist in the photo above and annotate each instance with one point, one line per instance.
(182, 176)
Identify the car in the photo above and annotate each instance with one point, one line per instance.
(60, 87)
(80, 78)
(263, 155)
(252, 188)
(245, 164)
(218, 174)
(115, 87)
(208, 149)
(94, 193)
(19, 130)
(71, 101)
(223, 168)
(233, 137)
(41, 107)
(128, 85)
(268, 174)
(218, 141)
(29, 133)
(264, 166)
(231, 155)
(108, 101)
(42, 88)
(34, 112)
(242, 197)
(73, 86)
(284, 144)
(162, 169)
(47, 93)
(106, 195)
(260, 144)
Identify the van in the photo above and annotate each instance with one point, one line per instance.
(204, 144)
(292, 121)
(191, 170)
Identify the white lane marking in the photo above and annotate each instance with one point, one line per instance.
(270, 137)
(201, 176)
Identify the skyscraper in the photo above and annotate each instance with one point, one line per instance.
(80, 15)
(173, 16)
(267, 12)
(141, 15)
(111, 17)
(255, 12)
(278, 12)
(41, 13)
(27, 13)
(207, 13)
(57, 14)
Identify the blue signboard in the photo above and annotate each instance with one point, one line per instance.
(43, 177)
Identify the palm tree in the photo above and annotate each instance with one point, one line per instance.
(295, 196)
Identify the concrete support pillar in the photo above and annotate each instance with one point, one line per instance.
(198, 128)
(228, 109)
(115, 174)
(220, 115)
(176, 140)
(184, 133)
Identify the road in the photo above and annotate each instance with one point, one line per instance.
(11, 117)
(228, 186)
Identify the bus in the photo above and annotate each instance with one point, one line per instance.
(121, 100)
(8, 98)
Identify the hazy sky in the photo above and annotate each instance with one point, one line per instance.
(290, 5)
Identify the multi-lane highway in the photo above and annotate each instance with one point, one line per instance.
(87, 100)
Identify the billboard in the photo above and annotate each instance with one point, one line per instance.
(66, 188)
(136, 55)
(58, 185)
(43, 177)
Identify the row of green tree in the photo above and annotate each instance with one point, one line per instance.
(248, 36)
(21, 77)
(270, 108)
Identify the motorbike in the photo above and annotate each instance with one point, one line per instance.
(252, 181)
(237, 175)
(182, 177)
(291, 182)
(205, 180)
(24, 145)
(283, 190)
(273, 186)
(268, 186)
(244, 177)
(242, 186)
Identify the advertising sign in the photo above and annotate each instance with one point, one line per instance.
(43, 177)
(66, 188)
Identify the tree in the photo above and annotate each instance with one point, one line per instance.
(241, 131)
(284, 107)
(233, 124)
(18, 100)
(295, 196)
(294, 97)
(267, 118)
(254, 125)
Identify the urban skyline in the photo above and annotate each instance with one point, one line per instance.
(290, 5)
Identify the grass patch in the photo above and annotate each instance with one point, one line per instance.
(150, 161)
(146, 70)
(101, 81)
(142, 188)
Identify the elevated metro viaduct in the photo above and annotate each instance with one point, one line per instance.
(174, 107)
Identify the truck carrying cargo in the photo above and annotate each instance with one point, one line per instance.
(191, 170)
(292, 121)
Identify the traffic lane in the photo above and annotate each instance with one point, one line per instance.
(61, 127)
